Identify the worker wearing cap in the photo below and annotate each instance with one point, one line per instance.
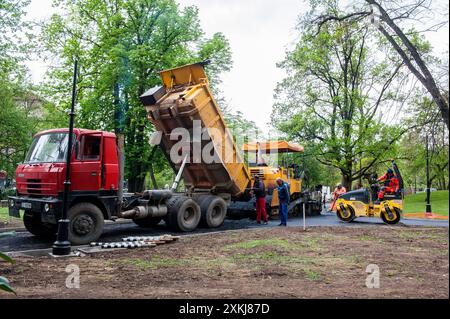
(283, 200)
(260, 194)
(391, 184)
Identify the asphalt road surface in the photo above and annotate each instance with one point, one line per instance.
(116, 231)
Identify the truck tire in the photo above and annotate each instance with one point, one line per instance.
(147, 222)
(297, 211)
(183, 214)
(35, 226)
(214, 211)
(86, 223)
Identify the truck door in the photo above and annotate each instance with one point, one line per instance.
(87, 168)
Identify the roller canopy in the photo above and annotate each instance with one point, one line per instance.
(273, 147)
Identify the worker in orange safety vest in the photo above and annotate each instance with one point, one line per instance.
(338, 191)
(391, 184)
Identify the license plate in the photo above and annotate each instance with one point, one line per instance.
(26, 205)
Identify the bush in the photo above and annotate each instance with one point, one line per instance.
(7, 192)
(4, 283)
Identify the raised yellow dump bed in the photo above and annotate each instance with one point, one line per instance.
(186, 98)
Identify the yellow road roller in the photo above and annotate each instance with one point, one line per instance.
(366, 202)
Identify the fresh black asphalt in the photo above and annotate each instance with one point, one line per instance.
(23, 240)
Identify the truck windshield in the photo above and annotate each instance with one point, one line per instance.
(48, 148)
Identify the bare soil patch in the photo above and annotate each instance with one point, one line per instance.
(324, 262)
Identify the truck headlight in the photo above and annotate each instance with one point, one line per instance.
(46, 208)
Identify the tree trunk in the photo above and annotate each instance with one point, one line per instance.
(423, 75)
(152, 177)
(152, 172)
(136, 184)
(347, 181)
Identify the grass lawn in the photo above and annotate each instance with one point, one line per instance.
(4, 214)
(416, 203)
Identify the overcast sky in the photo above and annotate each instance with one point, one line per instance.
(259, 32)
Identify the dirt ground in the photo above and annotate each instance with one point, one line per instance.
(324, 262)
(13, 223)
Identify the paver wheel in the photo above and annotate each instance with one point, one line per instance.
(86, 223)
(213, 210)
(35, 226)
(183, 213)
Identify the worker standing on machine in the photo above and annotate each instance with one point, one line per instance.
(391, 184)
(338, 191)
(260, 194)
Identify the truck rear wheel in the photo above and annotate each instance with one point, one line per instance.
(183, 213)
(214, 211)
(147, 222)
(35, 226)
(86, 223)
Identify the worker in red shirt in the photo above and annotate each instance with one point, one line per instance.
(391, 184)
(338, 191)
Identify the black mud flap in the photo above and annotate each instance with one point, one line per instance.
(13, 211)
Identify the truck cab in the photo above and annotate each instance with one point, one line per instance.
(94, 181)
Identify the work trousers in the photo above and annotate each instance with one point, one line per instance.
(283, 213)
(261, 210)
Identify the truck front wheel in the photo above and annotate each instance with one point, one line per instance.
(86, 223)
(183, 213)
(35, 226)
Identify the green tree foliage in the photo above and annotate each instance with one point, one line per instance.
(393, 20)
(16, 122)
(12, 46)
(412, 148)
(339, 95)
(121, 46)
(243, 131)
(15, 129)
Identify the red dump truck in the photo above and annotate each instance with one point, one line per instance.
(96, 190)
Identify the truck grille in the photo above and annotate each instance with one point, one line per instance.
(34, 186)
